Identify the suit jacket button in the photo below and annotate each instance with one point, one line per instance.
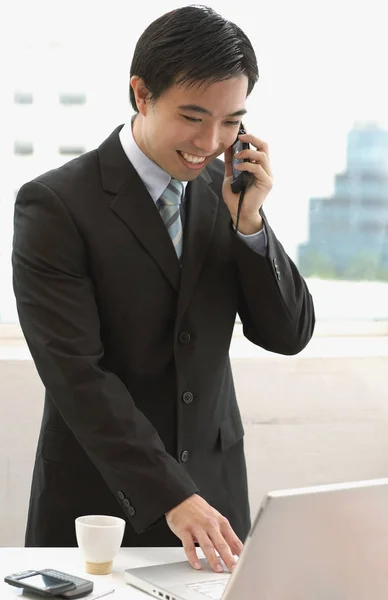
(184, 456)
(184, 337)
(126, 503)
(120, 495)
(131, 511)
(187, 397)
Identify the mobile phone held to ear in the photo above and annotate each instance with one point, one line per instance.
(240, 178)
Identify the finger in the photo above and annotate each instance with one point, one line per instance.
(255, 141)
(259, 173)
(256, 157)
(253, 156)
(223, 548)
(235, 544)
(228, 162)
(190, 551)
(209, 551)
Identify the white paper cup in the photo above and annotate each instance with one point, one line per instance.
(99, 538)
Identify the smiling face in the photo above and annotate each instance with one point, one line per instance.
(189, 125)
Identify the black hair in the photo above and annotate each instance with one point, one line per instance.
(192, 44)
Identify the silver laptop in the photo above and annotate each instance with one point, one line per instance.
(326, 542)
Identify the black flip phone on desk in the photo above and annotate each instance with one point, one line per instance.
(51, 583)
(240, 178)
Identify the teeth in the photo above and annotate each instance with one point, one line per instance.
(196, 160)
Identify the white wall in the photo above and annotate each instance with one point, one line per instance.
(307, 421)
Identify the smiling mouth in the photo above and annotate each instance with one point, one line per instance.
(193, 158)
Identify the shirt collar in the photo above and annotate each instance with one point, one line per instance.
(154, 177)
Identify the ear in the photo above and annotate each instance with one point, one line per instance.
(142, 94)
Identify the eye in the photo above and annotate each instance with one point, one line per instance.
(191, 119)
(233, 123)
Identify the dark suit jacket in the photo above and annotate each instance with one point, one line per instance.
(140, 410)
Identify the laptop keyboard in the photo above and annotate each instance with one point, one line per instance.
(210, 589)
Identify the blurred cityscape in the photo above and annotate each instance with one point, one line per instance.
(54, 109)
(348, 232)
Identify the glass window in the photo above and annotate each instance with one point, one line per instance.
(348, 231)
(320, 103)
(23, 148)
(71, 150)
(23, 97)
(68, 99)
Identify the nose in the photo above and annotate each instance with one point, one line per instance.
(207, 140)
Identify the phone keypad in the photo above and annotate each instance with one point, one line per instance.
(65, 576)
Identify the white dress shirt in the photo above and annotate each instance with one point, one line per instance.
(156, 180)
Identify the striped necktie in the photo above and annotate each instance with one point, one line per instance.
(169, 208)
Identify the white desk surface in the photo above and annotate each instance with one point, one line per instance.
(69, 560)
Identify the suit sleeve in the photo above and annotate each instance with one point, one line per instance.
(275, 305)
(59, 318)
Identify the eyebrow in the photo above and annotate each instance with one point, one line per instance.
(204, 111)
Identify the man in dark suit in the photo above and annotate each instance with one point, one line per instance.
(128, 275)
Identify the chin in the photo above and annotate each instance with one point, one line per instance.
(191, 176)
(184, 174)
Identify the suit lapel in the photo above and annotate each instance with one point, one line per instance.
(200, 217)
(135, 207)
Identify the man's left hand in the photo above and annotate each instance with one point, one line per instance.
(258, 189)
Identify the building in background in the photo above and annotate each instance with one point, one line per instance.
(348, 232)
(65, 96)
(55, 105)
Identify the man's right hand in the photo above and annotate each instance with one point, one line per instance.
(194, 520)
